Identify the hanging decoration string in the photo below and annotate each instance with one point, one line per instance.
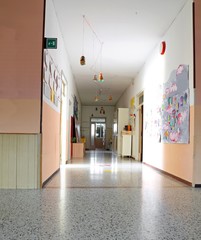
(87, 22)
(93, 67)
(83, 34)
(101, 51)
(82, 58)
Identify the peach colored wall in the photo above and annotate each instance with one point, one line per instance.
(176, 159)
(20, 62)
(19, 115)
(50, 141)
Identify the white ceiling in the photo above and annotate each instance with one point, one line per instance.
(129, 30)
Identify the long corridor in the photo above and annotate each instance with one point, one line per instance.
(103, 197)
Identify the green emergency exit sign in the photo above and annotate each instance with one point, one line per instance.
(51, 43)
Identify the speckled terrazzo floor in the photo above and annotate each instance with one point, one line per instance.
(92, 199)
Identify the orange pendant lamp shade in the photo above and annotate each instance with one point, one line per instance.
(100, 78)
(82, 60)
(110, 98)
(96, 98)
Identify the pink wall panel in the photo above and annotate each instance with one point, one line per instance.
(21, 50)
(19, 116)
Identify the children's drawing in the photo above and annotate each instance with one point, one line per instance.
(51, 81)
(152, 110)
(175, 107)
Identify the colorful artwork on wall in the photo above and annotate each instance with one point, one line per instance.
(152, 118)
(132, 113)
(51, 81)
(175, 108)
(132, 102)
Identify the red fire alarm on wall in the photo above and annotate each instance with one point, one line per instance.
(162, 47)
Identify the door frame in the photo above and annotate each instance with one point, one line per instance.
(63, 120)
(140, 98)
(93, 146)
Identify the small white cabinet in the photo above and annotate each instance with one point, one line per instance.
(126, 145)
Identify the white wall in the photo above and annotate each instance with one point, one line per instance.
(156, 71)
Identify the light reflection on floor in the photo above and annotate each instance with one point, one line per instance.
(104, 169)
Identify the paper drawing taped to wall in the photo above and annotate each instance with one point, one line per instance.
(152, 117)
(51, 81)
(175, 108)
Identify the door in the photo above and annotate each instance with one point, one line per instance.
(140, 152)
(100, 136)
(98, 129)
(141, 119)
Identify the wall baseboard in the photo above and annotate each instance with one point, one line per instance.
(171, 175)
(50, 177)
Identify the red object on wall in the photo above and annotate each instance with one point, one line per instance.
(162, 47)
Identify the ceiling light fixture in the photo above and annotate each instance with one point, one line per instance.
(100, 78)
(99, 55)
(110, 98)
(82, 60)
(103, 95)
(95, 77)
(96, 98)
(102, 110)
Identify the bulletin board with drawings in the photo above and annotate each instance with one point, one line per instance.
(52, 83)
(175, 108)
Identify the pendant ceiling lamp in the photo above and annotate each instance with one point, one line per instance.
(95, 77)
(96, 98)
(110, 98)
(102, 110)
(82, 60)
(100, 77)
